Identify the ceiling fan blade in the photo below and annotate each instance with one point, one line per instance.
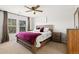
(39, 10)
(28, 11)
(27, 7)
(37, 6)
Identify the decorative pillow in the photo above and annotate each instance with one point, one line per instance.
(46, 29)
(42, 29)
(37, 27)
(36, 30)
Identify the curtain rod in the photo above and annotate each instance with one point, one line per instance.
(14, 13)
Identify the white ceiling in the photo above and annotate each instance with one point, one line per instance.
(19, 9)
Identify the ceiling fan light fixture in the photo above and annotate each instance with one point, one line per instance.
(34, 9)
(34, 12)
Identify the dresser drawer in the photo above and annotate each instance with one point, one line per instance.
(56, 36)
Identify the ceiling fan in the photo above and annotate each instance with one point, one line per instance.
(34, 9)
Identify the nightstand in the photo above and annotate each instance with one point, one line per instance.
(56, 36)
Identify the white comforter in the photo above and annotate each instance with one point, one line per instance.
(42, 37)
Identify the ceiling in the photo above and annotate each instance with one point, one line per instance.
(47, 9)
(19, 9)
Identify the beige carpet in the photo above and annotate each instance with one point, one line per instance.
(16, 48)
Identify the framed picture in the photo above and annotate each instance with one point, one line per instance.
(76, 19)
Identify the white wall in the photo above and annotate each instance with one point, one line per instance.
(60, 16)
(1, 24)
(12, 36)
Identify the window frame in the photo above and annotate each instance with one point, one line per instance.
(22, 25)
(11, 24)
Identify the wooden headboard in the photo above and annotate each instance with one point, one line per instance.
(45, 26)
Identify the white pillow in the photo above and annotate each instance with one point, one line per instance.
(46, 29)
(36, 30)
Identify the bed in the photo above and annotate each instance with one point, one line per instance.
(35, 40)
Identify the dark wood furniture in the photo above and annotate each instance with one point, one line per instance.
(73, 41)
(56, 37)
(31, 47)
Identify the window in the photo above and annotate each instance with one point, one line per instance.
(22, 25)
(12, 25)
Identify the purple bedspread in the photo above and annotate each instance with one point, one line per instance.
(28, 36)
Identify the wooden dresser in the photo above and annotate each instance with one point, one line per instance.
(73, 41)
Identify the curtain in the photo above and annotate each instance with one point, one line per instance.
(5, 36)
(28, 23)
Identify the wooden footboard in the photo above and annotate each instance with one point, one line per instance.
(27, 45)
(31, 47)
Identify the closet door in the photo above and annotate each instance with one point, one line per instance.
(71, 42)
